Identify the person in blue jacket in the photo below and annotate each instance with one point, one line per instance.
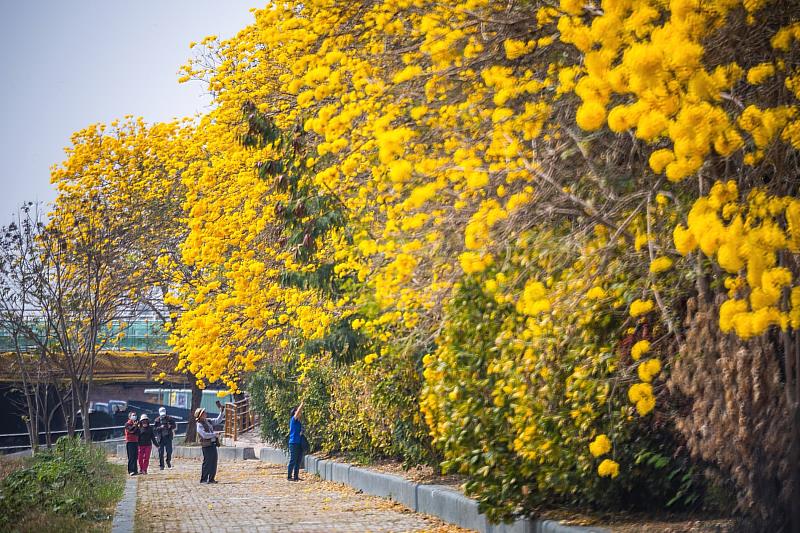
(295, 443)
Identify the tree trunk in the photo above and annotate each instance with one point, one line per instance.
(87, 431)
(64, 402)
(29, 392)
(32, 421)
(794, 461)
(83, 403)
(197, 398)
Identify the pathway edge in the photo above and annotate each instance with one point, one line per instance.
(125, 513)
(442, 502)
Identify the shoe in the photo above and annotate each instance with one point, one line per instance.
(161, 468)
(203, 481)
(132, 474)
(169, 465)
(296, 479)
(213, 481)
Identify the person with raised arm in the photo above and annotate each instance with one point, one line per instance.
(295, 443)
(209, 440)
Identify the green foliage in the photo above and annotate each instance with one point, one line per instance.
(275, 390)
(517, 418)
(344, 343)
(366, 411)
(73, 482)
(375, 411)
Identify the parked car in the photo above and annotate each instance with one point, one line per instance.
(99, 407)
(117, 406)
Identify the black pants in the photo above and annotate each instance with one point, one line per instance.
(133, 450)
(209, 470)
(165, 446)
(295, 458)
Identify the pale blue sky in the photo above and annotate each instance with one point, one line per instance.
(65, 64)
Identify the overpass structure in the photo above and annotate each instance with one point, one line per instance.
(136, 351)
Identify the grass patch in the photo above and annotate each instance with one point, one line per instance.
(72, 488)
(9, 465)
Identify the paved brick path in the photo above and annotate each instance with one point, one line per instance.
(254, 496)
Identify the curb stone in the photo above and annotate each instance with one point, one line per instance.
(225, 453)
(439, 501)
(126, 509)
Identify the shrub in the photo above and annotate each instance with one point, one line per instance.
(516, 412)
(364, 410)
(72, 480)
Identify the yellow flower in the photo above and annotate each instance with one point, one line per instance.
(639, 349)
(515, 48)
(641, 394)
(660, 264)
(649, 369)
(400, 171)
(600, 446)
(595, 293)
(641, 307)
(684, 239)
(591, 116)
(759, 74)
(608, 468)
(660, 159)
(533, 300)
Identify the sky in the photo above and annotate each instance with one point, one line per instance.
(67, 64)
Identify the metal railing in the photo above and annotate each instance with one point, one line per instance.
(239, 418)
(77, 431)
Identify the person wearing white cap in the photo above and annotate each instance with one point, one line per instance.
(165, 430)
(209, 442)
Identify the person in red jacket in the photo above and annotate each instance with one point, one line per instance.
(132, 443)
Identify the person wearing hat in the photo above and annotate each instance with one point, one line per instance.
(164, 429)
(146, 440)
(132, 443)
(209, 442)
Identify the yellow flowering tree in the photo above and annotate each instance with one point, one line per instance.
(512, 202)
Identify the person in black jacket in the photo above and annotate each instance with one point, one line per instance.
(146, 440)
(164, 429)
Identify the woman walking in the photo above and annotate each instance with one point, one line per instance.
(132, 443)
(146, 440)
(295, 443)
(209, 442)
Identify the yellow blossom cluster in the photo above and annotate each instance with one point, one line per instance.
(748, 237)
(644, 71)
(601, 445)
(608, 468)
(641, 394)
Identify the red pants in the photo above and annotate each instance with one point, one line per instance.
(144, 458)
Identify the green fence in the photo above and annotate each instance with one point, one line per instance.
(136, 336)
